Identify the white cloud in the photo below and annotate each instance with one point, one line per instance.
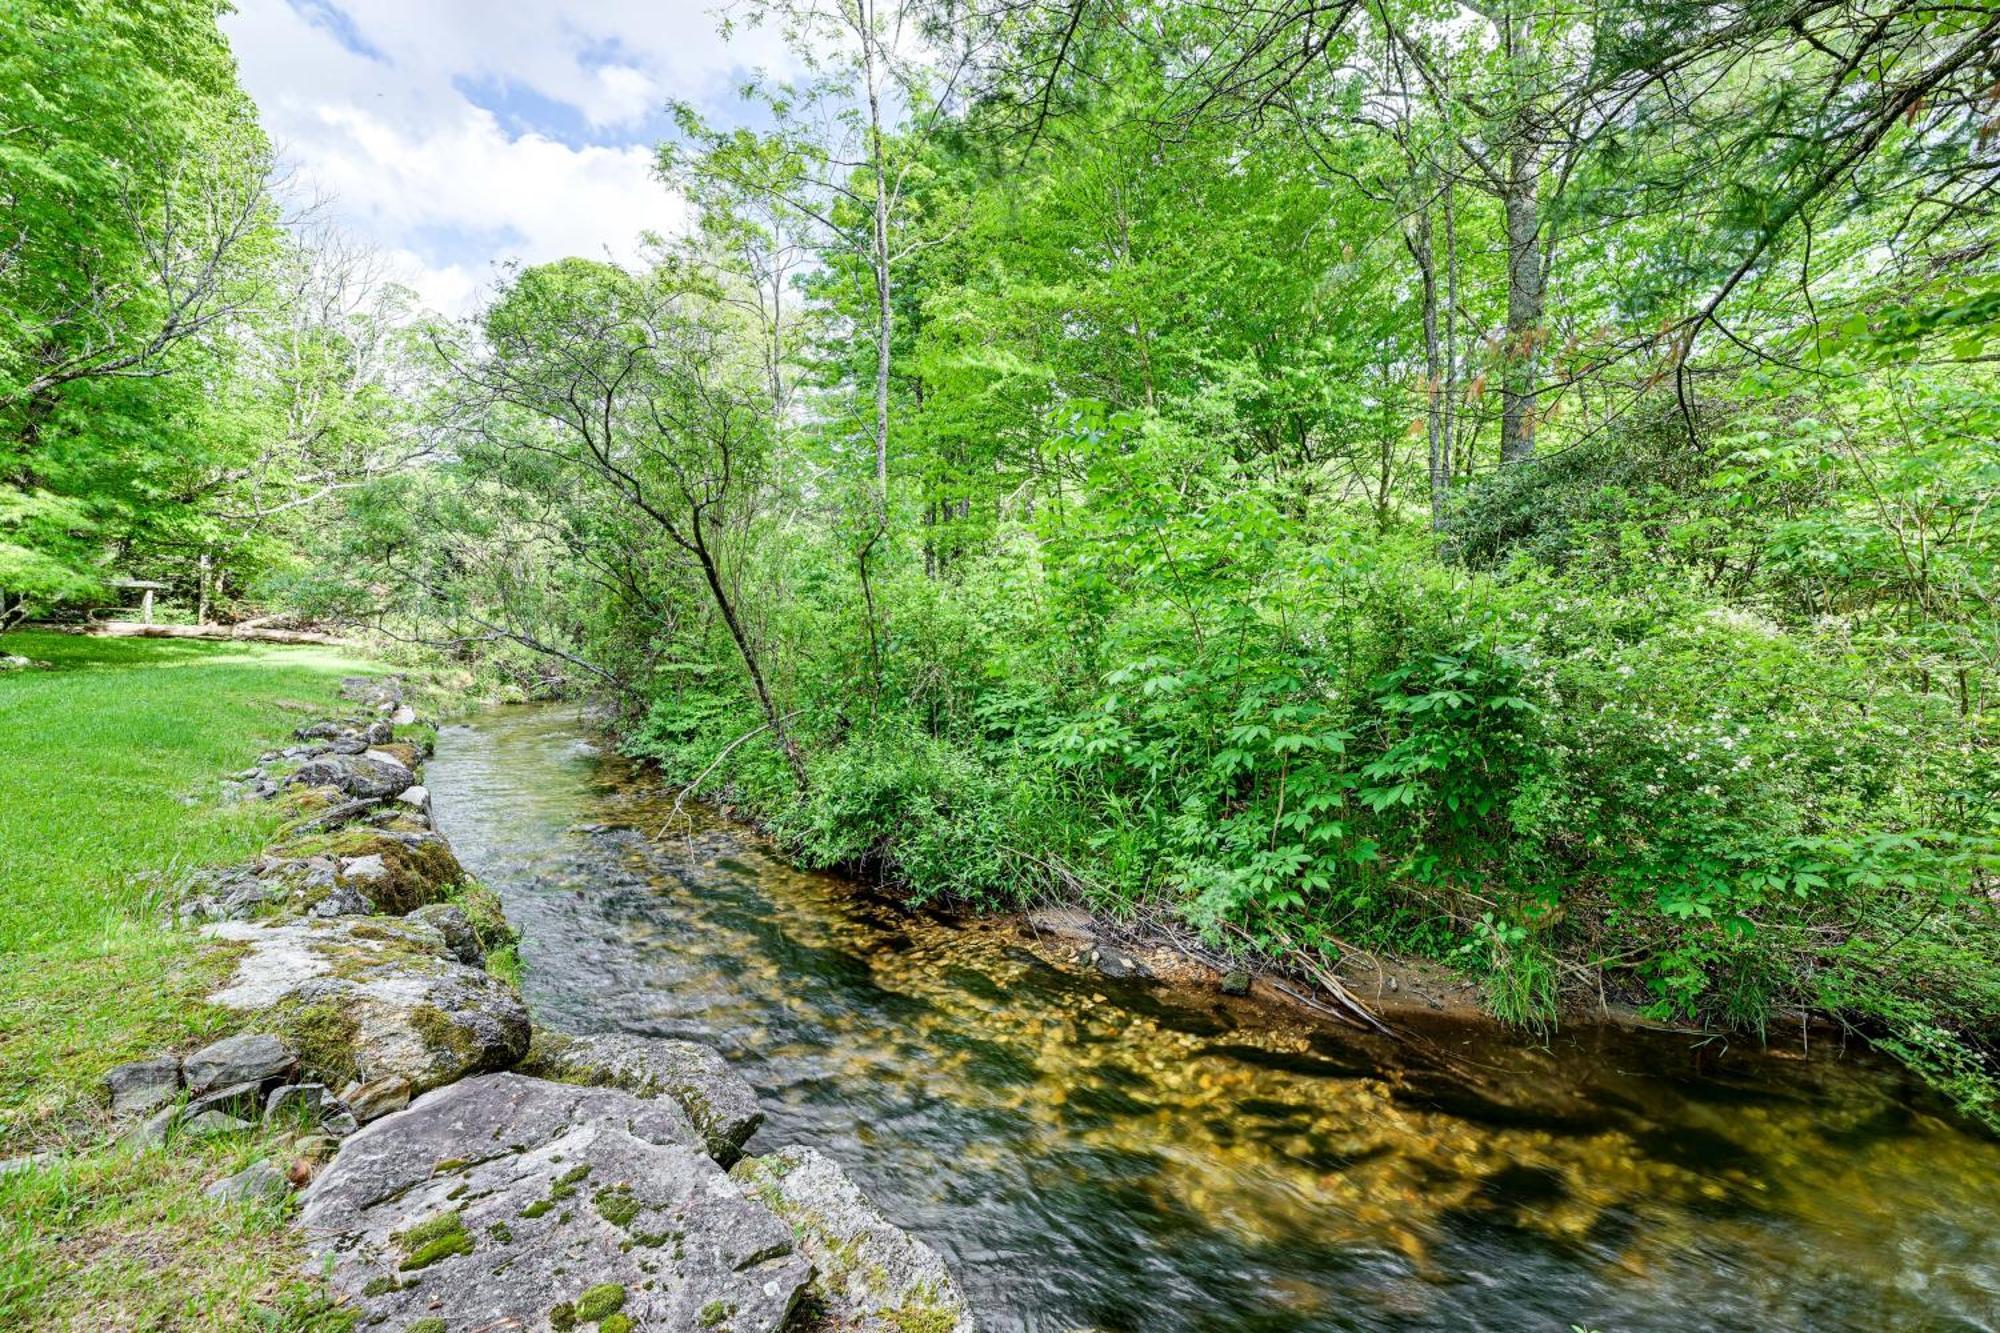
(368, 100)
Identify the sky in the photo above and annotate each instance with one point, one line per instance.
(454, 134)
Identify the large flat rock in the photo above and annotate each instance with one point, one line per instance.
(373, 999)
(504, 1201)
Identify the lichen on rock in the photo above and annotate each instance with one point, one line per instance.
(371, 998)
(491, 1254)
(870, 1276)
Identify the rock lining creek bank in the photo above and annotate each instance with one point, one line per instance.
(479, 1172)
(753, 1097)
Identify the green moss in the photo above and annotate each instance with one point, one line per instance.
(324, 1035)
(429, 1229)
(439, 1033)
(714, 1313)
(382, 1286)
(923, 1319)
(617, 1323)
(501, 1232)
(483, 910)
(537, 1208)
(654, 1239)
(433, 1239)
(414, 875)
(563, 1317)
(603, 1299)
(428, 1324)
(442, 1248)
(566, 1183)
(617, 1206)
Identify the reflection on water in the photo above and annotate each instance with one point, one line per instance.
(1123, 1155)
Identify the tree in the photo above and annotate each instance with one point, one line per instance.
(640, 385)
(134, 216)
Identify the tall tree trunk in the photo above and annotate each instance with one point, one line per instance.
(1521, 372)
(786, 745)
(1521, 200)
(1435, 426)
(885, 324)
(1450, 403)
(879, 256)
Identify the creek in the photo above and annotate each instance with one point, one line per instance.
(1132, 1155)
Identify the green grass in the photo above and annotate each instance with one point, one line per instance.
(111, 765)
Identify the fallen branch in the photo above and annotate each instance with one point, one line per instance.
(129, 629)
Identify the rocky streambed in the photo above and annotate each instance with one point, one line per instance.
(478, 1172)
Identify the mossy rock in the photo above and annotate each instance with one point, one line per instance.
(323, 1033)
(482, 908)
(419, 868)
(402, 752)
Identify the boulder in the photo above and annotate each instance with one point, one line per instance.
(363, 870)
(342, 900)
(1065, 923)
(372, 1101)
(459, 936)
(213, 1124)
(717, 1100)
(247, 1057)
(328, 728)
(232, 893)
(399, 871)
(142, 1086)
(241, 1100)
(311, 1106)
(403, 716)
(258, 1182)
(511, 1202)
(870, 1277)
(374, 998)
(396, 752)
(34, 1161)
(1119, 964)
(355, 774)
(371, 690)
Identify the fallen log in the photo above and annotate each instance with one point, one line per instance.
(132, 629)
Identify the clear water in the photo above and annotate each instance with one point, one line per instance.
(1133, 1156)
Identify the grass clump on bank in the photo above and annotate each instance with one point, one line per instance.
(112, 760)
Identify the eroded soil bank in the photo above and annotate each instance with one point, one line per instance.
(1133, 1154)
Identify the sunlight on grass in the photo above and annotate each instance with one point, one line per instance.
(111, 769)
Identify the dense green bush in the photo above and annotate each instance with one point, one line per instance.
(1333, 742)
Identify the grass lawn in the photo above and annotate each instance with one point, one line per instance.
(111, 766)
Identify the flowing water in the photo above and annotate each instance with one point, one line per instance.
(1129, 1155)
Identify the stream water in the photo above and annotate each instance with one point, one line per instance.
(1134, 1156)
